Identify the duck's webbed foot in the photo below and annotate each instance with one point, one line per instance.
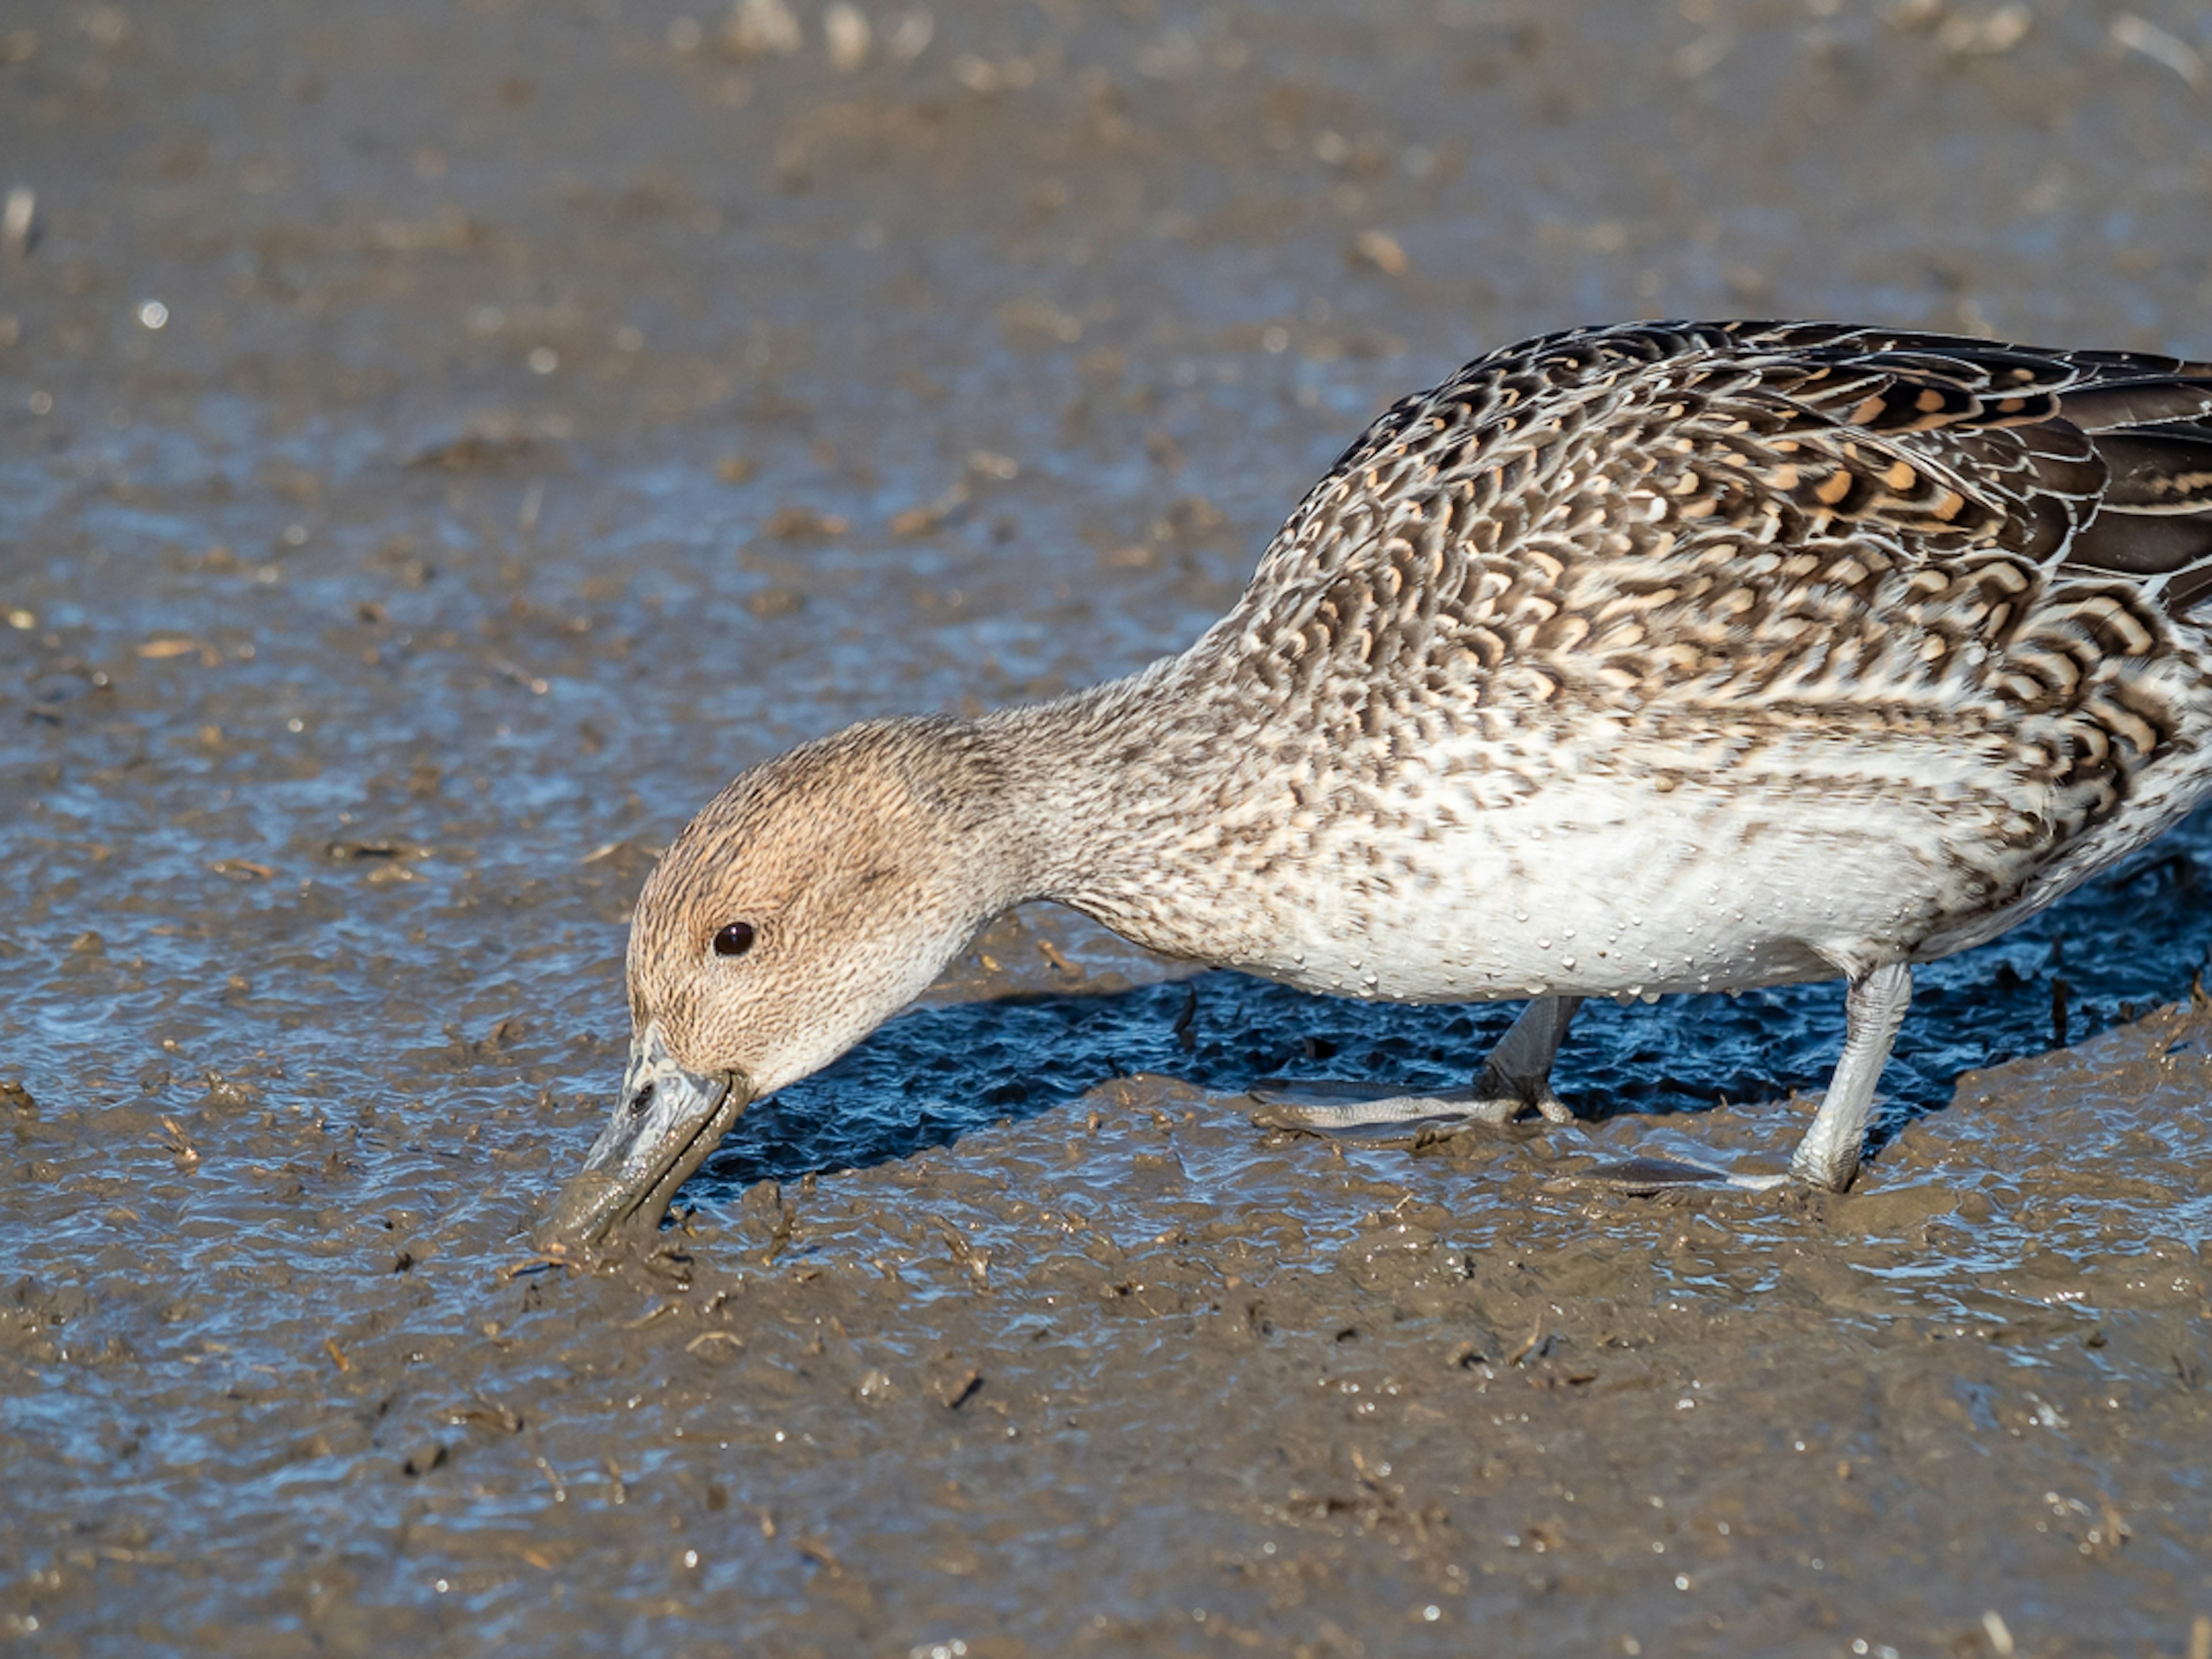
(1516, 1079)
(1334, 1106)
(1644, 1174)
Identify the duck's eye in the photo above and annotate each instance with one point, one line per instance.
(734, 940)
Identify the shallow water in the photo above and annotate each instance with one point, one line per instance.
(353, 668)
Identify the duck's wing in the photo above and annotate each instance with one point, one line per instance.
(2091, 463)
(1780, 533)
(1633, 440)
(1737, 492)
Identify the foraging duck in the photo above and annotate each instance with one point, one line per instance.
(1647, 659)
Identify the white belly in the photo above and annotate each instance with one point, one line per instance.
(1606, 889)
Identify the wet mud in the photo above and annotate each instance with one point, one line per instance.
(439, 445)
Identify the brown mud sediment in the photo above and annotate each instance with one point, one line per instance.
(554, 409)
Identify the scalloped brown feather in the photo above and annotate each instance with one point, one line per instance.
(1696, 554)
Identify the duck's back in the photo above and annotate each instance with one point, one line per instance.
(1801, 643)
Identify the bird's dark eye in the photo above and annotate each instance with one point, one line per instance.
(734, 940)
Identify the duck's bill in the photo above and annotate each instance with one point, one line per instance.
(664, 1126)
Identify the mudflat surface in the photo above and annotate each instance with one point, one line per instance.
(554, 409)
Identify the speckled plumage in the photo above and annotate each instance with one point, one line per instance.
(1682, 657)
(1662, 657)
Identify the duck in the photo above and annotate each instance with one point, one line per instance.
(1632, 661)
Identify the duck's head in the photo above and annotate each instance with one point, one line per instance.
(813, 898)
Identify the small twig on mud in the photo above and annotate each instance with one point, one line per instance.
(1528, 1345)
(976, 1262)
(786, 1221)
(181, 1145)
(958, 1394)
(536, 684)
(2116, 1529)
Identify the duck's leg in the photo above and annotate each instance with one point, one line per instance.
(1874, 1008)
(1515, 1078)
(1828, 1156)
(1520, 1067)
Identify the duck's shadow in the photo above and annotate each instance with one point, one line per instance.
(2128, 942)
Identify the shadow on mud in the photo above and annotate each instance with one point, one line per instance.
(936, 1073)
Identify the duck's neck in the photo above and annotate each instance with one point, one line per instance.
(1112, 805)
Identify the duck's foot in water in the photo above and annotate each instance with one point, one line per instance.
(1646, 1156)
(1644, 1176)
(1516, 1079)
(1367, 1111)
(1340, 1110)
(1828, 1158)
